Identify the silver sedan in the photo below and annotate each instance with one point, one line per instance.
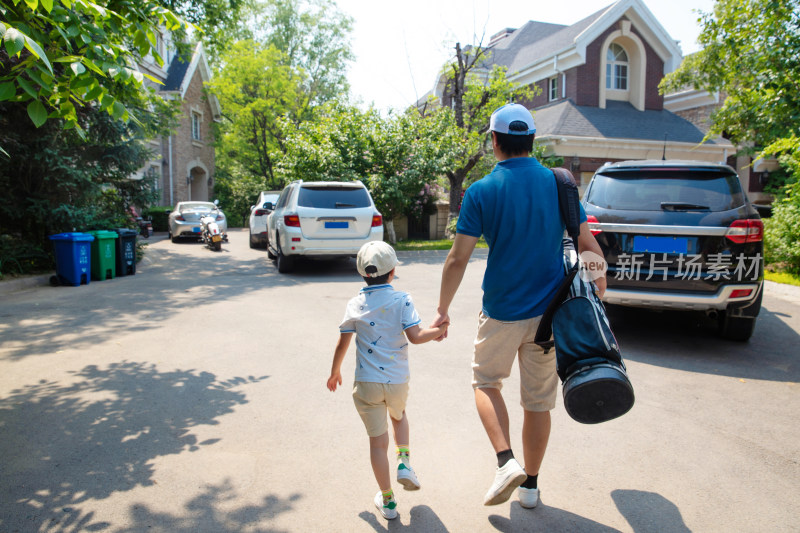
(184, 220)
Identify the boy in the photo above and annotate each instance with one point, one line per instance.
(379, 316)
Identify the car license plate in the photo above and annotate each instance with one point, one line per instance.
(663, 245)
(196, 229)
(336, 225)
(216, 238)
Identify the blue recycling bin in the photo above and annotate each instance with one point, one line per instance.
(73, 257)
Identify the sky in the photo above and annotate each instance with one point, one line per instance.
(401, 45)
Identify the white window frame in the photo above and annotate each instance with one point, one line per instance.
(617, 69)
(197, 126)
(552, 89)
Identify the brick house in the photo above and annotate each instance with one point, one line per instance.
(598, 95)
(184, 161)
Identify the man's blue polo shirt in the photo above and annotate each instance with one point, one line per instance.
(515, 208)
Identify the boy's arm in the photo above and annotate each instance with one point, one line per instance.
(417, 335)
(338, 356)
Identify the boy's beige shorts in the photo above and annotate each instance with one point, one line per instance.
(373, 399)
(497, 344)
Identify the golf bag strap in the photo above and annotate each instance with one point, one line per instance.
(569, 207)
(569, 200)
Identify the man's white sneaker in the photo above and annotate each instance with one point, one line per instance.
(507, 478)
(528, 498)
(389, 509)
(407, 477)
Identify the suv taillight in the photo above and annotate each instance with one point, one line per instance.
(292, 221)
(377, 220)
(180, 217)
(744, 231)
(261, 212)
(594, 224)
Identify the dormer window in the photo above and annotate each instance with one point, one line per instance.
(616, 68)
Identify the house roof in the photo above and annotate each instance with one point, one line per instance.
(176, 73)
(618, 120)
(536, 41)
(182, 70)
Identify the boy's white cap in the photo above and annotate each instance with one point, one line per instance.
(503, 117)
(375, 259)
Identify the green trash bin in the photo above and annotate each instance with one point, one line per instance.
(103, 255)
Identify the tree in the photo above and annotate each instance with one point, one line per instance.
(394, 157)
(473, 91)
(289, 62)
(59, 57)
(751, 53)
(218, 19)
(256, 88)
(314, 35)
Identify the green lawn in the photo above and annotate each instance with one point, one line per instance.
(783, 277)
(443, 244)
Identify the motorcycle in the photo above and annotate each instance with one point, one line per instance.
(209, 231)
(145, 225)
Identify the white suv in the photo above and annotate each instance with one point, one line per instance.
(322, 219)
(258, 217)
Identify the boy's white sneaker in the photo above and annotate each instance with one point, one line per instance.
(506, 478)
(389, 509)
(528, 498)
(407, 477)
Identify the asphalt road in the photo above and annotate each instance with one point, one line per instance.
(191, 397)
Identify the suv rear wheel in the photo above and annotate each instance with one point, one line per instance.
(285, 263)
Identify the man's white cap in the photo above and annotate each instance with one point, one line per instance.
(375, 259)
(505, 116)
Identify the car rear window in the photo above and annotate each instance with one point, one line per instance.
(643, 190)
(333, 197)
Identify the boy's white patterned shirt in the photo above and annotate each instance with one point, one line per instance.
(379, 316)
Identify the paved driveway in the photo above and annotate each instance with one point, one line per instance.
(191, 397)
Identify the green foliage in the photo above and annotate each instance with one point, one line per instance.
(315, 37)
(236, 195)
(256, 88)
(750, 53)
(62, 56)
(218, 19)
(159, 216)
(60, 181)
(289, 60)
(473, 91)
(782, 235)
(21, 257)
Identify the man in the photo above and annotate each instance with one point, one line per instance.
(515, 208)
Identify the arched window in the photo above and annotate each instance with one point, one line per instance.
(616, 68)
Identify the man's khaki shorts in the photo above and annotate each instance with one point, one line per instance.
(373, 399)
(497, 344)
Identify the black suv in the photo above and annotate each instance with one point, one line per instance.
(679, 235)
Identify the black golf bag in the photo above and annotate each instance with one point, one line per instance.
(595, 385)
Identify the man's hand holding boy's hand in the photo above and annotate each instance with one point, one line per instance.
(442, 331)
(442, 320)
(334, 381)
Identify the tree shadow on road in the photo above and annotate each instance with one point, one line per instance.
(689, 341)
(66, 445)
(649, 512)
(203, 513)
